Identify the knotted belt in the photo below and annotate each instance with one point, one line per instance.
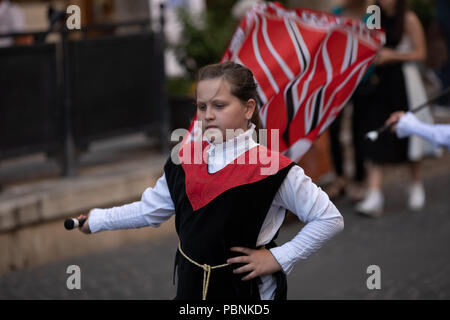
(206, 271)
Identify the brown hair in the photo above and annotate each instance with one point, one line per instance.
(394, 33)
(241, 80)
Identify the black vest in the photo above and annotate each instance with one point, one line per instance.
(232, 218)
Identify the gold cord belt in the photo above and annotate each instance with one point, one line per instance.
(206, 271)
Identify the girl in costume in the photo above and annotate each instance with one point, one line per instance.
(229, 195)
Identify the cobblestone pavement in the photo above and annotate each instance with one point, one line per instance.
(410, 248)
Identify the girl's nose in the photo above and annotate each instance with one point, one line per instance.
(209, 114)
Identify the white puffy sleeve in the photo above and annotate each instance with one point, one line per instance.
(155, 207)
(313, 207)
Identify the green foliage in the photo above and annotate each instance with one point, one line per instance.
(203, 41)
(204, 38)
(179, 86)
(425, 10)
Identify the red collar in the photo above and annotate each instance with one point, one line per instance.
(202, 187)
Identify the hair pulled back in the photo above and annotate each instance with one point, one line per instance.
(241, 80)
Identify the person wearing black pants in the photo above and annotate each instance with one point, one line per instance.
(355, 9)
(336, 148)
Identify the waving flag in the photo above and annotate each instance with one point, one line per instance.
(307, 65)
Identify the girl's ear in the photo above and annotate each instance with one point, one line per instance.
(250, 108)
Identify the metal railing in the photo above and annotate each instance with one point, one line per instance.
(59, 97)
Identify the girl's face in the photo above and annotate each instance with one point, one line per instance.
(219, 110)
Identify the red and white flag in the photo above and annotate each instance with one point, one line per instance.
(307, 65)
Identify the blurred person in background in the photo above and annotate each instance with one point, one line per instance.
(443, 19)
(399, 87)
(12, 20)
(355, 9)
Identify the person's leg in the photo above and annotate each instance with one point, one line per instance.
(358, 132)
(375, 176)
(337, 187)
(416, 171)
(372, 204)
(335, 145)
(416, 199)
(359, 128)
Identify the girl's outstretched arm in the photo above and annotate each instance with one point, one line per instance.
(155, 207)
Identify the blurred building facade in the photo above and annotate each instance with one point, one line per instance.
(101, 11)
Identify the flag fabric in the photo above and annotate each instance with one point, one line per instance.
(307, 64)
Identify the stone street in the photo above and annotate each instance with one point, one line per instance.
(411, 249)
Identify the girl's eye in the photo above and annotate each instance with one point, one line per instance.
(201, 107)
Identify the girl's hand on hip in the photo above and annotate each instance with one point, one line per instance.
(259, 262)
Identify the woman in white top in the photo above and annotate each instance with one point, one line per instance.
(398, 88)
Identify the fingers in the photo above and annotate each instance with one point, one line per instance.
(394, 117)
(246, 268)
(250, 276)
(256, 262)
(249, 267)
(246, 251)
(398, 114)
(240, 259)
(85, 228)
(389, 120)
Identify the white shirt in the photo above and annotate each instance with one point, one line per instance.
(11, 20)
(438, 134)
(297, 194)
